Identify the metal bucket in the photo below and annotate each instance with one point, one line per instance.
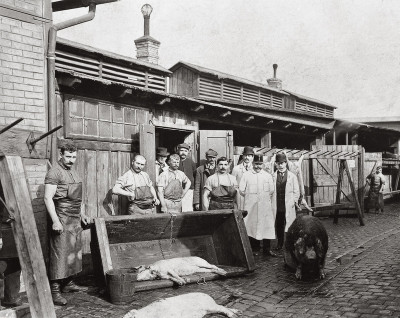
(121, 285)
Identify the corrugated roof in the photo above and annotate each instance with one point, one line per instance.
(111, 55)
(309, 99)
(222, 75)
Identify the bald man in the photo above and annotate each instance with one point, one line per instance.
(137, 186)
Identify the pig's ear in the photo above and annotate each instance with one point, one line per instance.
(319, 248)
(299, 245)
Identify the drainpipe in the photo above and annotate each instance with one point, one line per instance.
(51, 76)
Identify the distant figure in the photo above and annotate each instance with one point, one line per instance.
(202, 174)
(257, 187)
(220, 190)
(189, 168)
(287, 195)
(137, 186)
(376, 183)
(172, 186)
(246, 165)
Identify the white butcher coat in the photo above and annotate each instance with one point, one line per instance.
(292, 194)
(238, 172)
(258, 189)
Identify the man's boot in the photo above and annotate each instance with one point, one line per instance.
(70, 287)
(56, 294)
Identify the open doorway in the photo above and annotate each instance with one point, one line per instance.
(170, 138)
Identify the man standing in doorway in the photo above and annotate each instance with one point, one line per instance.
(188, 167)
(137, 186)
(172, 186)
(287, 194)
(376, 183)
(161, 157)
(240, 169)
(220, 190)
(63, 199)
(257, 187)
(202, 174)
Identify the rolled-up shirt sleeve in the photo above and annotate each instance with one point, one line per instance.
(208, 184)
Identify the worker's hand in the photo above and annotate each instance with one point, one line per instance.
(156, 201)
(57, 227)
(197, 207)
(85, 219)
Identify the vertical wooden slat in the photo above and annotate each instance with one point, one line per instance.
(91, 183)
(17, 197)
(102, 184)
(114, 174)
(353, 190)
(338, 191)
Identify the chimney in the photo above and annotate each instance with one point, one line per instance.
(146, 46)
(275, 82)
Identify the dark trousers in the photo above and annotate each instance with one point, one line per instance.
(256, 244)
(280, 223)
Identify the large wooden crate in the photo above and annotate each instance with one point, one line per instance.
(219, 237)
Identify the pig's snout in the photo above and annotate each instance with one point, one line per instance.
(310, 254)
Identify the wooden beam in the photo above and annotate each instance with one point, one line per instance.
(103, 245)
(72, 82)
(17, 197)
(353, 190)
(225, 114)
(164, 100)
(198, 108)
(126, 91)
(287, 125)
(338, 192)
(22, 311)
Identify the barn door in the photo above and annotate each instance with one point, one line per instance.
(147, 148)
(219, 140)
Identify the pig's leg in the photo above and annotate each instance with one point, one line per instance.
(176, 278)
(321, 268)
(222, 310)
(214, 269)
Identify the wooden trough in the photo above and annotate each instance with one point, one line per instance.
(219, 237)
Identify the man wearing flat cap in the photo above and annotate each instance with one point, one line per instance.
(202, 174)
(240, 169)
(257, 187)
(287, 195)
(187, 166)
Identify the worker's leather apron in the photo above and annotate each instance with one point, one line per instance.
(173, 196)
(143, 203)
(222, 197)
(66, 247)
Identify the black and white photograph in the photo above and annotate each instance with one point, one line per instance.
(189, 159)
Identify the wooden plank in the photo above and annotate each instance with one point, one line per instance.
(103, 245)
(244, 245)
(95, 144)
(323, 180)
(17, 197)
(147, 146)
(91, 183)
(22, 311)
(113, 176)
(353, 190)
(102, 183)
(338, 191)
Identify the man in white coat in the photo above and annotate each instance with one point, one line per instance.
(287, 194)
(240, 169)
(257, 187)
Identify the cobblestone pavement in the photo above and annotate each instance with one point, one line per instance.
(363, 280)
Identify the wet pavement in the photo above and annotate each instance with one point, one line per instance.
(363, 280)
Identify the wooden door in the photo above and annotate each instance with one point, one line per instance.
(219, 140)
(147, 146)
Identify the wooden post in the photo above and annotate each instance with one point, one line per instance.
(311, 182)
(361, 178)
(353, 191)
(17, 197)
(347, 138)
(266, 139)
(338, 191)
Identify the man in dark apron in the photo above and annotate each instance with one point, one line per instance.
(172, 186)
(63, 199)
(220, 190)
(376, 183)
(137, 186)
